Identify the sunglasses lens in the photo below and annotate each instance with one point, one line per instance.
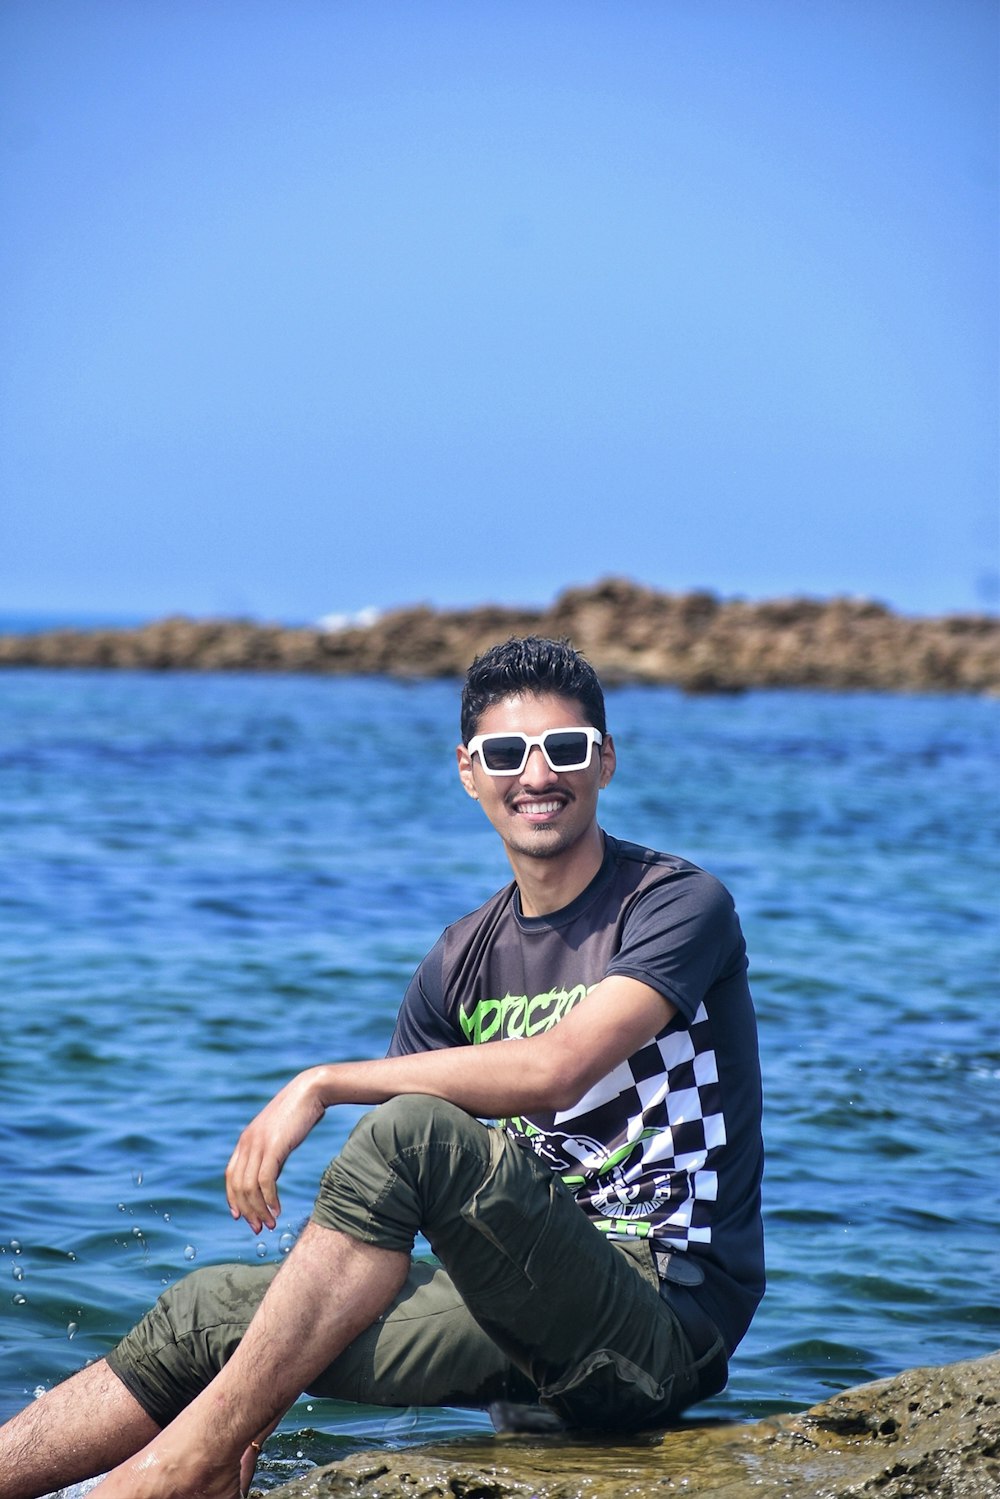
(567, 747)
(503, 752)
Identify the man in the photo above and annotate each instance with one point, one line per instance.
(600, 1249)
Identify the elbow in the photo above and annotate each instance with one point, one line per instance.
(564, 1101)
(551, 1075)
(564, 1085)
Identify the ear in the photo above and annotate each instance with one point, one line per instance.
(465, 771)
(609, 761)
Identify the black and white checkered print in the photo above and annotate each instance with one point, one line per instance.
(660, 1117)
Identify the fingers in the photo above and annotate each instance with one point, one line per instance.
(251, 1187)
(263, 1148)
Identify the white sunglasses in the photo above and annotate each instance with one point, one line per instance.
(507, 754)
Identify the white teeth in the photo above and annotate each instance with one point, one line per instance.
(537, 809)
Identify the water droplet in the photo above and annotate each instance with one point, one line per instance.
(71, 1331)
(70, 1255)
(18, 1299)
(18, 1272)
(285, 1242)
(137, 1233)
(166, 1217)
(121, 1207)
(261, 1251)
(137, 1178)
(15, 1244)
(189, 1251)
(38, 1391)
(308, 1407)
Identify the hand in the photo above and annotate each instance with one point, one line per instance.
(265, 1145)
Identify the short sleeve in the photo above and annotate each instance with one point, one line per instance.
(422, 1023)
(681, 936)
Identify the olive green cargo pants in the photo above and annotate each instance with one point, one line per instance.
(530, 1302)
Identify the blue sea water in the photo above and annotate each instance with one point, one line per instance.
(209, 882)
(35, 623)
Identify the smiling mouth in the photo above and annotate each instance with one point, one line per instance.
(539, 808)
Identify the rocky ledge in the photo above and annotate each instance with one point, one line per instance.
(926, 1432)
(631, 633)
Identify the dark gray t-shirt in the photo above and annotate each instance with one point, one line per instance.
(667, 1146)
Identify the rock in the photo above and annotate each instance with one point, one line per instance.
(631, 633)
(933, 1431)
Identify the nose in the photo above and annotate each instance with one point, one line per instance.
(537, 771)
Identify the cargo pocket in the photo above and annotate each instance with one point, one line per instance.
(511, 1213)
(607, 1392)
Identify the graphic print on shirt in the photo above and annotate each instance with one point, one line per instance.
(614, 1196)
(660, 1113)
(517, 1015)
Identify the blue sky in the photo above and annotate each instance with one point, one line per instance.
(323, 305)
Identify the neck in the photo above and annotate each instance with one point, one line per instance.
(548, 884)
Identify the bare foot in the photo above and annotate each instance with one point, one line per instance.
(248, 1462)
(155, 1473)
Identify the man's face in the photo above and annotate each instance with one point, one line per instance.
(540, 812)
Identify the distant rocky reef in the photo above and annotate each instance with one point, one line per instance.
(631, 633)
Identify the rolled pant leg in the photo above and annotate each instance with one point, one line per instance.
(185, 1338)
(425, 1349)
(580, 1320)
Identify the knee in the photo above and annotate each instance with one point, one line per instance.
(184, 1340)
(411, 1121)
(400, 1162)
(175, 1305)
(214, 1295)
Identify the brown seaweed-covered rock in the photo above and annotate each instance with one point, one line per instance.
(928, 1432)
(631, 633)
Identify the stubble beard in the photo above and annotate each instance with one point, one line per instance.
(543, 842)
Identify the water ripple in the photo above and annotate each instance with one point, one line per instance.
(210, 883)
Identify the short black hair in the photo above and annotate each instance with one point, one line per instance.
(530, 666)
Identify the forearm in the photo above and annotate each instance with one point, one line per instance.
(493, 1081)
(550, 1070)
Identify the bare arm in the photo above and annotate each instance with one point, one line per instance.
(552, 1070)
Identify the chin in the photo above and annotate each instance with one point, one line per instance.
(538, 846)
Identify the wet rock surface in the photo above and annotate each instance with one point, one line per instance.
(631, 633)
(933, 1431)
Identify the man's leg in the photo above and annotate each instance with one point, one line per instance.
(79, 1428)
(425, 1350)
(576, 1316)
(581, 1320)
(328, 1291)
